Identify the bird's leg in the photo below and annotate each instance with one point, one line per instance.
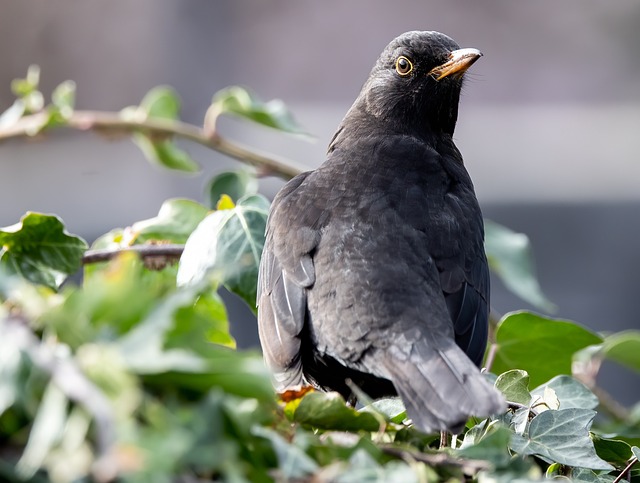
(444, 437)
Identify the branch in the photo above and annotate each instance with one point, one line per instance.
(115, 123)
(165, 252)
(626, 470)
(468, 466)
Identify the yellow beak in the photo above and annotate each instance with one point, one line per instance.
(459, 61)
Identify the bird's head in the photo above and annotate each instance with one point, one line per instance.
(416, 82)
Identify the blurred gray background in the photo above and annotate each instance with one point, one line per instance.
(549, 123)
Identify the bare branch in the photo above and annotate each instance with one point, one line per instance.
(167, 252)
(468, 466)
(626, 470)
(115, 123)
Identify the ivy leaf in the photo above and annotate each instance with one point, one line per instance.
(165, 153)
(493, 447)
(13, 114)
(175, 222)
(510, 257)
(47, 428)
(64, 98)
(39, 249)
(329, 411)
(542, 346)
(561, 436)
(164, 353)
(235, 184)
(112, 300)
(161, 103)
(623, 348)
(10, 365)
(243, 103)
(200, 324)
(362, 467)
(28, 85)
(392, 408)
(294, 463)
(570, 392)
(614, 451)
(226, 248)
(514, 384)
(583, 475)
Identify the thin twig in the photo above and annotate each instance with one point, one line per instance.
(115, 123)
(609, 405)
(170, 252)
(491, 355)
(633, 461)
(438, 459)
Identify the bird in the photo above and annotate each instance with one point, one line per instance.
(373, 271)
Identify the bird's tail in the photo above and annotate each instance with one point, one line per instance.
(440, 386)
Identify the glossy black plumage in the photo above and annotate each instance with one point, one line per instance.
(373, 267)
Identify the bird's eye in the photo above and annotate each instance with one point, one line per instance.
(403, 66)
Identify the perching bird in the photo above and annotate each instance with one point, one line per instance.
(373, 267)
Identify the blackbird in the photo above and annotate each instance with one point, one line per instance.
(373, 267)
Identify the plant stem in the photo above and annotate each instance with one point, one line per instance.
(116, 123)
(169, 252)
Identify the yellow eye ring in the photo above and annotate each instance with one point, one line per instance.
(404, 66)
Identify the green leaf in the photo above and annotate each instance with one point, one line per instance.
(13, 114)
(174, 223)
(519, 470)
(28, 85)
(156, 347)
(392, 408)
(39, 249)
(614, 451)
(113, 239)
(235, 184)
(510, 257)
(514, 384)
(161, 102)
(226, 248)
(583, 475)
(542, 346)
(329, 411)
(561, 436)
(165, 153)
(623, 348)
(10, 364)
(64, 98)
(570, 392)
(112, 301)
(293, 462)
(46, 430)
(245, 104)
(493, 447)
(201, 324)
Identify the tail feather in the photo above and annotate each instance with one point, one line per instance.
(440, 386)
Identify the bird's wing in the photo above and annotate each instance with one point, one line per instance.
(469, 311)
(286, 271)
(464, 279)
